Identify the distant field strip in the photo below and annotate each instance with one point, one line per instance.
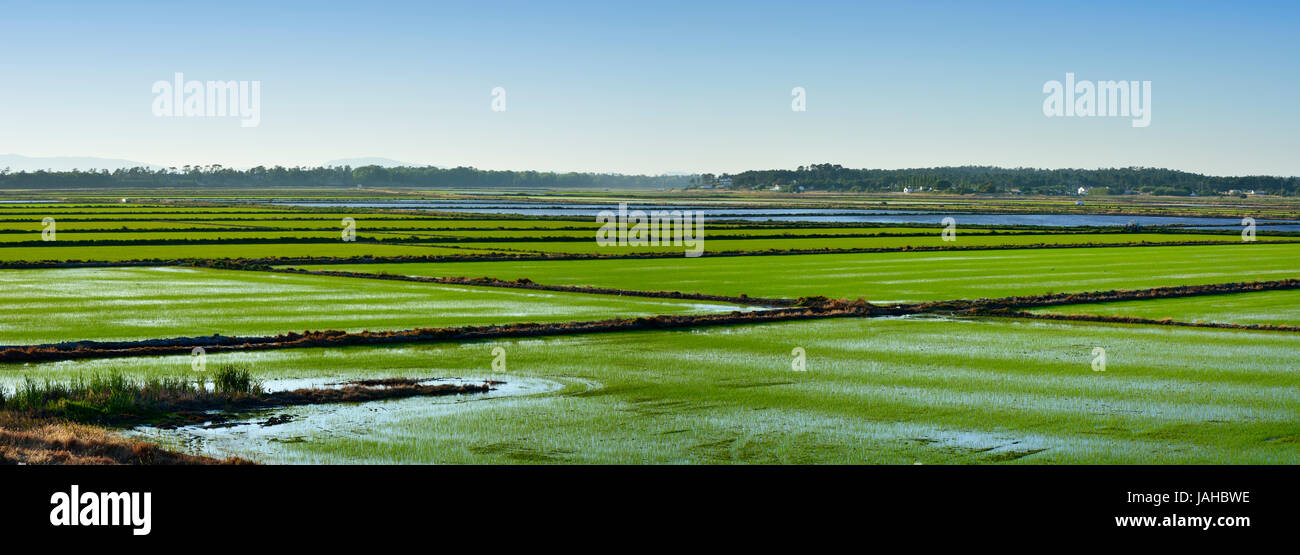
(301, 221)
(933, 241)
(582, 244)
(895, 277)
(321, 250)
(227, 250)
(893, 391)
(1266, 307)
(180, 216)
(114, 304)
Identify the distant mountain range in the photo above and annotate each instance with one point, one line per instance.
(17, 163)
(372, 161)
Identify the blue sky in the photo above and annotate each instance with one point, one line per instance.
(651, 87)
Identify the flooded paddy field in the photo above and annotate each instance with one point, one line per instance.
(120, 304)
(1266, 307)
(898, 276)
(898, 391)
(972, 388)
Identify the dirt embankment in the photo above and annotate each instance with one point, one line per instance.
(1005, 304)
(1145, 321)
(30, 440)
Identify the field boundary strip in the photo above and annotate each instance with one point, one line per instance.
(538, 255)
(410, 236)
(451, 241)
(1140, 321)
(1113, 295)
(718, 234)
(853, 209)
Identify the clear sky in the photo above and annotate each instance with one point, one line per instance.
(658, 86)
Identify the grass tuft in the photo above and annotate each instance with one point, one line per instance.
(112, 396)
(231, 380)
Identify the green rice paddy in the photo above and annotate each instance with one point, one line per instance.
(113, 304)
(898, 276)
(1266, 307)
(925, 389)
(932, 240)
(218, 251)
(893, 391)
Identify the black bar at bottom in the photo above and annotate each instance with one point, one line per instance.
(306, 504)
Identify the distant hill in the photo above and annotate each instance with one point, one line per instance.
(373, 161)
(17, 163)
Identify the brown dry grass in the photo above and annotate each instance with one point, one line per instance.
(25, 440)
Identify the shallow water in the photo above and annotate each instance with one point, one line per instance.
(264, 437)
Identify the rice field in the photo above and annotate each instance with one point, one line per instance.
(1266, 307)
(119, 304)
(930, 388)
(223, 251)
(879, 391)
(897, 276)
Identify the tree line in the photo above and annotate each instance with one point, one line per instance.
(338, 176)
(816, 177)
(994, 180)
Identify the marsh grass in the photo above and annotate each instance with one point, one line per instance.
(113, 396)
(233, 380)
